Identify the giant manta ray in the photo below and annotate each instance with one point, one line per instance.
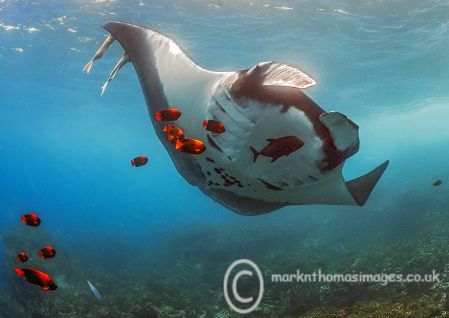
(279, 148)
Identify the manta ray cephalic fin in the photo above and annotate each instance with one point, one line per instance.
(344, 132)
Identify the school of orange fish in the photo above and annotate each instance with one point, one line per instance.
(32, 275)
(176, 136)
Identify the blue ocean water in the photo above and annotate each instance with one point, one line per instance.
(65, 151)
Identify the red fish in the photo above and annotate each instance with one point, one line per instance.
(173, 133)
(169, 114)
(214, 126)
(31, 219)
(139, 161)
(191, 146)
(47, 252)
(22, 257)
(36, 277)
(279, 147)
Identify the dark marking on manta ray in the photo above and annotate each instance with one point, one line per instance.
(213, 144)
(210, 159)
(208, 173)
(269, 185)
(249, 85)
(312, 178)
(217, 171)
(217, 184)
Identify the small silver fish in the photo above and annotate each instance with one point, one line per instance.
(94, 290)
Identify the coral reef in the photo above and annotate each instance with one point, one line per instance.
(184, 278)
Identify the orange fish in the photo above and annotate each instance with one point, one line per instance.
(36, 277)
(47, 252)
(169, 114)
(31, 219)
(214, 126)
(22, 257)
(173, 133)
(139, 161)
(191, 146)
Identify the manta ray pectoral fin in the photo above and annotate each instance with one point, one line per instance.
(344, 132)
(166, 73)
(361, 187)
(241, 204)
(168, 77)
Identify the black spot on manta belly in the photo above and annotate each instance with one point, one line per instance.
(210, 159)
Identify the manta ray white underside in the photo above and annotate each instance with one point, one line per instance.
(257, 106)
